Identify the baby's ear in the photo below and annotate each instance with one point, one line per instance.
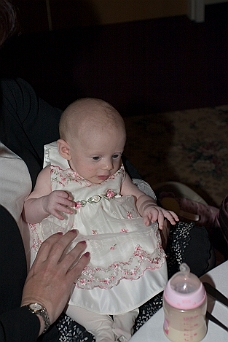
(64, 149)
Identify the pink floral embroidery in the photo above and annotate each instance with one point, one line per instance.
(94, 232)
(35, 245)
(131, 269)
(123, 230)
(112, 248)
(110, 193)
(138, 251)
(82, 281)
(32, 226)
(129, 215)
(78, 204)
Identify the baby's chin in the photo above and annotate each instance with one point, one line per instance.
(97, 179)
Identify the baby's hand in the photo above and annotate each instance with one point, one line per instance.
(58, 202)
(155, 213)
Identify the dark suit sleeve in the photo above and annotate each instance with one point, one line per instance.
(19, 325)
(16, 323)
(27, 122)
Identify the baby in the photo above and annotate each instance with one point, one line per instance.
(85, 186)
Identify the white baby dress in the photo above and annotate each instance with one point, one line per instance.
(127, 265)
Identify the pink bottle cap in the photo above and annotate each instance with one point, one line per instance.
(184, 290)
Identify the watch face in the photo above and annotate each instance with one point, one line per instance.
(35, 306)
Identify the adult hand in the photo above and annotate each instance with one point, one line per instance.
(53, 273)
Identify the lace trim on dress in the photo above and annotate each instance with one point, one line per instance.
(134, 268)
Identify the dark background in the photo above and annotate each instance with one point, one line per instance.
(140, 67)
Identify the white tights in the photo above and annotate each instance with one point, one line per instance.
(103, 327)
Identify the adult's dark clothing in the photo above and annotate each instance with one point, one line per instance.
(26, 123)
(17, 324)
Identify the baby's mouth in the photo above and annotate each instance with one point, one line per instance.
(102, 177)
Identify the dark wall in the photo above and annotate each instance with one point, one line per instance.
(140, 67)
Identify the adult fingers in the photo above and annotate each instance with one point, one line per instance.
(55, 246)
(71, 255)
(74, 272)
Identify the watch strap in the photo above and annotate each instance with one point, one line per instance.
(40, 310)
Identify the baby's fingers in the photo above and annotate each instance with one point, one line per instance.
(161, 220)
(150, 217)
(62, 193)
(171, 217)
(146, 221)
(62, 197)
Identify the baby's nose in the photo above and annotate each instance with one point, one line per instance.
(108, 165)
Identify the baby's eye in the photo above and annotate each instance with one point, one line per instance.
(96, 158)
(115, 156)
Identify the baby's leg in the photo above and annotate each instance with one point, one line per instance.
(123, 325)
(98, 325)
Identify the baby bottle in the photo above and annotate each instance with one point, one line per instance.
(185, 305)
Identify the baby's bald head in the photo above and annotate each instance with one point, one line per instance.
(88, 115)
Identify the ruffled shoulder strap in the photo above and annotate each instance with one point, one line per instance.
(52, 156)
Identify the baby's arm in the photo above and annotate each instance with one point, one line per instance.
(43, 202)
(147, 206)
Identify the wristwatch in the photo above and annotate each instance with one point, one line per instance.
(40, 310)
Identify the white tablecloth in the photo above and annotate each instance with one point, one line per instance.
(152, 331)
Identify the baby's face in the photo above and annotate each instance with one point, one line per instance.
(96, 157)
